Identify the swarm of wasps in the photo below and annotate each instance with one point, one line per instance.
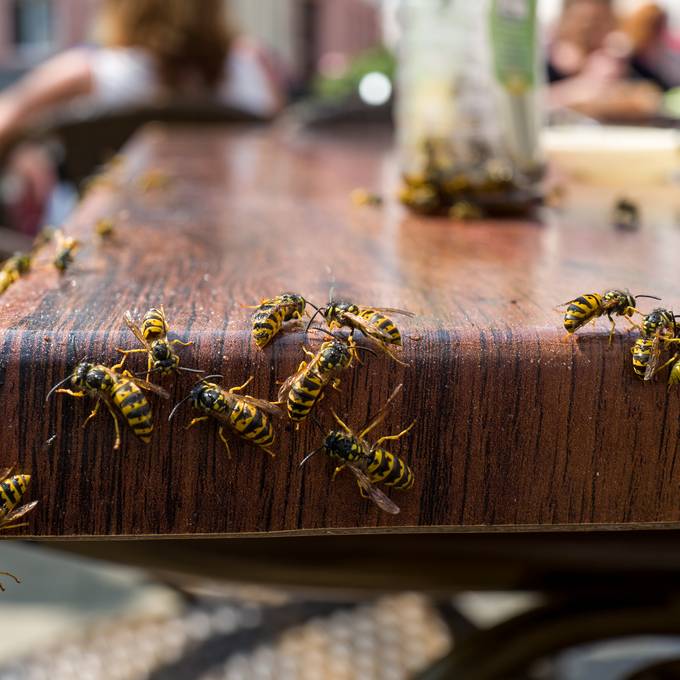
(249, 418)
(302, 392)
(466, 189)
(658, 329)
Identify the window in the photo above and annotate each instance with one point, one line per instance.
(32, 27)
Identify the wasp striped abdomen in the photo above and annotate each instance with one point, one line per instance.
(389, 469)
(272, 313)
(154, 324)
(582, 310)
(252, 424)
(304, 393)
(642, 352)
(385, 324)
(11, 491)
(134, 407)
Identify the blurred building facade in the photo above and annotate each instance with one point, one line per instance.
(298, 32)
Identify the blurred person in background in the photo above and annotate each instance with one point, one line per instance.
(606, 68)
(152, 52)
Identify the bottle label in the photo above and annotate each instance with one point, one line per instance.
(513, 33)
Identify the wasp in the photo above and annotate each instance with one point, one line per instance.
(658, 329)
(590, 306)
(245, 416)
(13, 268)
(153, 336)
(361, 197)
(370, 463)
(104, 227)
(306, 386)
(12, 490)
(66, 248)
(121, 392)
(371, 321)
(270, 315)
(626, 215)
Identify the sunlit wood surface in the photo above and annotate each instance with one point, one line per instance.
(516, 428)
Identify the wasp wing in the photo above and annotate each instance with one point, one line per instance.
(263, 405)
(390, 310)
(145, 385)
(288, 382)
(375, 494)
(654, 356)
(368, 328)
(18, 512)
(135, 330)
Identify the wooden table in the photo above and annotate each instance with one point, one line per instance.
(517, 429)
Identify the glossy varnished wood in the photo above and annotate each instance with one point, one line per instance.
(516, 427)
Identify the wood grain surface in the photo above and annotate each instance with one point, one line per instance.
(516, 427)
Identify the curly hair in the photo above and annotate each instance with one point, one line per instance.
(185, 36)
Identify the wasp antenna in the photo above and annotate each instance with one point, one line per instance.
(323, 330)
(309, 455)
(318, 424)
(652, 297)
(209, 377)
(311, 304)
(365, 349)
(177, 405)
(316, 313)
(191, 370)
(59, 384)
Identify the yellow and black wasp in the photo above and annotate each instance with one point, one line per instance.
(370, 463)
(306, 386)
(153, 335)
(120, 391)
(66, 248)
(270, 315)
(245, 416)
(658, 330)
(12, 490)
(590, 306)
(371, 321)
(13, 268)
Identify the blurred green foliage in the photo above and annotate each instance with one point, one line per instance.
(377, 59)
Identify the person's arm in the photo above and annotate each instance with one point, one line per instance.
(57, 81)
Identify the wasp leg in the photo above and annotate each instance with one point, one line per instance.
(13, 526)
(271, 453)
(195, 421)
(181, 342)
(394, 437)
(336, 385)
(220, 432)
(71, 393)
(342, 425)
(309, 354)
(95, 410)
(125, 352)
(613, 329)
(149, 366)
(240, 387)
(116, 445)
(337, 471)
(7, 573)
(362, 491)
